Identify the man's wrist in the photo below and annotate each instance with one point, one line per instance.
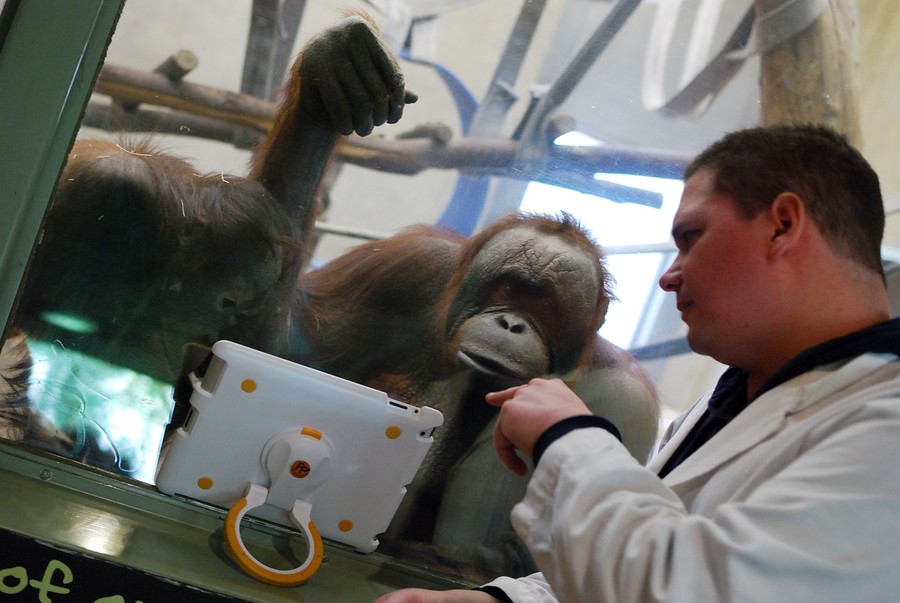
(495, 592)
(564, 426)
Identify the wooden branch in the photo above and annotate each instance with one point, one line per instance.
(178, 65)
(241, 120)
(813, 77)
(115, 118)
(133, 85)
(175, 67)
(495, 156)
(567, 166)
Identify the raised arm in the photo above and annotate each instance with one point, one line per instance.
(345, 80)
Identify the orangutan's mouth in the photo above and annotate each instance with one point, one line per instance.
(490, 369)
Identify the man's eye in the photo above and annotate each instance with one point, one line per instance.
(687, 238)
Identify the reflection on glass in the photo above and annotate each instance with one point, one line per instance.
(635, 237)
(110, 416)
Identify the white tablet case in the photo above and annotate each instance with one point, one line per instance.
(251, 409)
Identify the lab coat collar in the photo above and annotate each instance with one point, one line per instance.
(797, 387)
(767, 414)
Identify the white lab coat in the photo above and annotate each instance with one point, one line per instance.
(796, 499)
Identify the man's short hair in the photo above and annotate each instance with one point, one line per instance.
(838, 186)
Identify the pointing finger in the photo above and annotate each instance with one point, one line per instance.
(498, 398)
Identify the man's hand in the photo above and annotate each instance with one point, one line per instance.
(526, 411)
(351, 78)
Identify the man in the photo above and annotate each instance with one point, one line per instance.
(784, 485)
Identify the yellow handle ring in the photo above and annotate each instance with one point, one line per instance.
(300, 515)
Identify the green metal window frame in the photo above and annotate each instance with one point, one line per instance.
(50, 54)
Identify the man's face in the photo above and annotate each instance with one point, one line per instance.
(719, 274)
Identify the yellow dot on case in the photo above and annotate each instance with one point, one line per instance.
(345, 525)
(248, 385)
(393, 432)
(205, 483)
(315, 433)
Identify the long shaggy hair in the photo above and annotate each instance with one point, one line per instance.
(15, 368)
(19, 421)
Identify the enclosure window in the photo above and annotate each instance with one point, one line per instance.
(636, 238)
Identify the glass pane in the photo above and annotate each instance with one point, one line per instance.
(158, 244)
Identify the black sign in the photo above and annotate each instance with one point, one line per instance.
(33, 570)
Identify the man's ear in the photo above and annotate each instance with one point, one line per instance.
(787, 219)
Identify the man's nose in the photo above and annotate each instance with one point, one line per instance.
(671, 278)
